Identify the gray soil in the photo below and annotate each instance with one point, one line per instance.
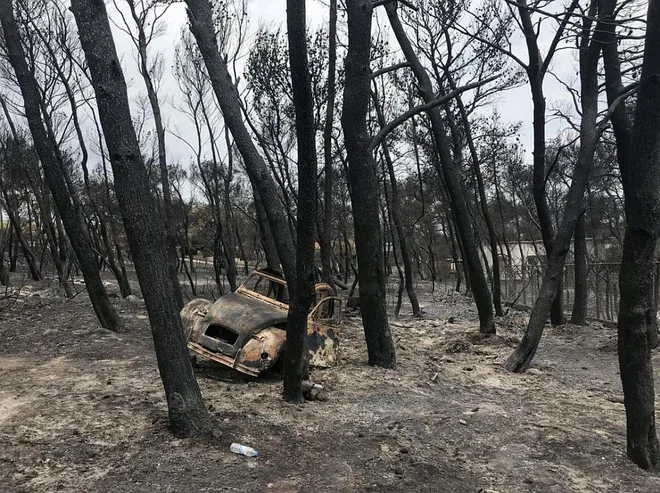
(82, 409)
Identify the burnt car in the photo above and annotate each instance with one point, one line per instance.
(246, 329)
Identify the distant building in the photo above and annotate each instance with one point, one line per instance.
(531, 253)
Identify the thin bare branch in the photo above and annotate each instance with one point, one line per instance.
(378, 138)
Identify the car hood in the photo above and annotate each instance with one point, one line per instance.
(244, 314)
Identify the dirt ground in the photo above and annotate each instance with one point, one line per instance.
(82, 409)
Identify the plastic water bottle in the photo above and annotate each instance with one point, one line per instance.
(237, 448)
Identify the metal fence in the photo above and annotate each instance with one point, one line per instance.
(521, 285)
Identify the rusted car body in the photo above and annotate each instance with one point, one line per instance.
(246, 330)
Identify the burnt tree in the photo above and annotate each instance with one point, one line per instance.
(325, 233)
(146, 20)
(142, 220)
(638, 149)
(536, 70)
(590, 43)
(451, 173)
(395, 211)
(51, 162)
(200, 15)
(303, 296)
(579, 312)
(364, 186)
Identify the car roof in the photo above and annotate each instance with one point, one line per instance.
(270, 272)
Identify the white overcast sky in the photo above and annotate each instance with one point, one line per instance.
(513, 105)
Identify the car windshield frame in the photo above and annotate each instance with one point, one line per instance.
(244, 288)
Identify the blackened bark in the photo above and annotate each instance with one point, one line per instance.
(590, 43)
(364, 186)
(4, 242)
(325, 240)
(47, 150)
(35, 271)
(118, 271)
(152, 95)
(48, 226)
(223, 244)
(539, 180)
(267, 241)
(301, 301)
(200, 14)
(218, 257)
(536, 70)
(143, 223)
(13, 251)
(230, 246)
(481, 189)
(395, 212)
(452, 176)
(109, 233)
(621, 123)
(16, 237)
(579, 313)
(394, 237)
(448, 232)
(4, 275)
(637, 316)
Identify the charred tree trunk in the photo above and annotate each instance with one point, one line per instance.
(109, 234)
(395, 213)
(13, 252)
(17, 238)
(51, 237)
(4, 275)
(452, 176)
(538, 185)
(639, 160)
(152, 94)
(303, 296)
(536, 70)
(364, 186)
(590, 43)
(230, 245)
(118, 271)
(326, 231)
(200, 14)
(143, 223)
(218, 256)
(4, 241)
(54, 173)
(481, 189)
(34, 269)
(579, 313)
